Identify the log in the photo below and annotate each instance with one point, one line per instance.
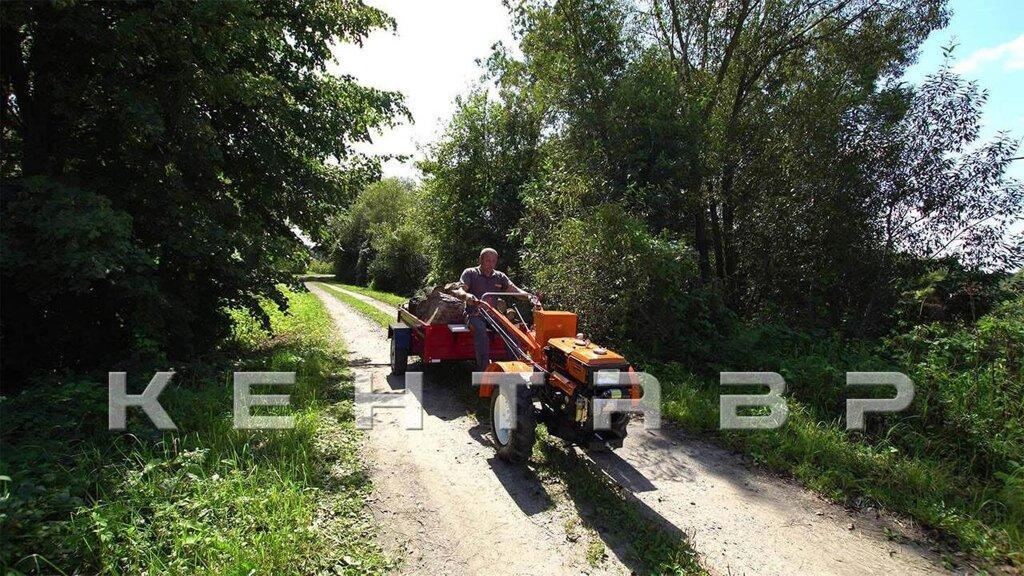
(439, 306)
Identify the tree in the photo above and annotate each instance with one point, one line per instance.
(739, 58)
(939, 191)
(474, 178)
(381, 205)
(172, 147)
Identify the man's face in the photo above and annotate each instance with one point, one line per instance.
(488, 262)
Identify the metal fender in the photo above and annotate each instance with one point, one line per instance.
(501, 367)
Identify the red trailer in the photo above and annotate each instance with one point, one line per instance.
(434, 343)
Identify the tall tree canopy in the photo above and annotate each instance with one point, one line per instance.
(772, 136)
(156, 158)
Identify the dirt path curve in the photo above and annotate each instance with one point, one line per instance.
(444, 501)
(740, 520)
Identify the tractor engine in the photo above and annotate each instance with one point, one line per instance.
(573, 363)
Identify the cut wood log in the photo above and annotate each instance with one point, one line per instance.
(439, 306)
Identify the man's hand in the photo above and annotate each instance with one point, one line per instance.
(536, 302)
(470, 299)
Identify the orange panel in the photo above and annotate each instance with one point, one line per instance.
(588, 353)
(486, 390)
(548, 324)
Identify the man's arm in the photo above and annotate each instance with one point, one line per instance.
(516, 289)
(466, 297)
(461, 293)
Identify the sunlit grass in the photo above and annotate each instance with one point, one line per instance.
(374, 313)
(205, 499)
(385, 297)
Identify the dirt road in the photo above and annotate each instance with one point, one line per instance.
(453, 508)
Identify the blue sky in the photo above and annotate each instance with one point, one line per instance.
(990, 49)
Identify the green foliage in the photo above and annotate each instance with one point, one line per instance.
(952, 460)
(206, 499)
(171, 146)
(399, 264)
(628, 287)
(378, 241)
(317, 266)
(969, 385)
(474, 175)
(380, 205)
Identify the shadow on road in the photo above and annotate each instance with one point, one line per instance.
(523, 485)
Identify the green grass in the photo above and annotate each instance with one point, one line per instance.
(362, 307)
(206, 499)
(385, 297)
(653, 547)
(903, 465)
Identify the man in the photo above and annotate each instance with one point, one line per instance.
(476, 282)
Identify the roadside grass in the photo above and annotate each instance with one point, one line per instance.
(822, 457)
(207, 498)
(362, 307)
(898, 464)
(607, 507)
(954, 460)
(595, 495)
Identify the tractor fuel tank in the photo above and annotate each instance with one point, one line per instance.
(548, 324)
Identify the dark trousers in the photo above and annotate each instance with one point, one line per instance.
(481, 341)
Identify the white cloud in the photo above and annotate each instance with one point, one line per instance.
(1010, 53)
(430, 59)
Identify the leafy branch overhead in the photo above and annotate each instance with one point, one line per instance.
(202, 132)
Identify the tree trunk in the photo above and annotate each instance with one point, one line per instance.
(700, 237)
(716, 238)
(732, 282)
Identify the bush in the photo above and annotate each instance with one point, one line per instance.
(399, 265)
(629, 287)
(969, 387)
(383, 205)
(317, 266)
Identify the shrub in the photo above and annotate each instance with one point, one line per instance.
(399, 264)
(628, 286)
(382, 205)
(969, 387)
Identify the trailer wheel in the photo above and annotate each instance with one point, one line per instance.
(513, 444)
(399, 359)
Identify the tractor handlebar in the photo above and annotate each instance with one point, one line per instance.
(527, 295)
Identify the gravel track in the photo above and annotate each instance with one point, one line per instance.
(453, 507)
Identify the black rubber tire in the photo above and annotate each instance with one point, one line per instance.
(521, 438)
(399, 359)
(619, 424)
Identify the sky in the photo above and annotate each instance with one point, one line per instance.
(431, 58)
(989, 37)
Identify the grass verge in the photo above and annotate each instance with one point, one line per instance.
(385, 297)
(655, 547)
(362, 307)
(824, 457)
(206, 498)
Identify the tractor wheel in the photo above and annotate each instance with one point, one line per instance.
(399, 359)
(619, 423)
(513, 444)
